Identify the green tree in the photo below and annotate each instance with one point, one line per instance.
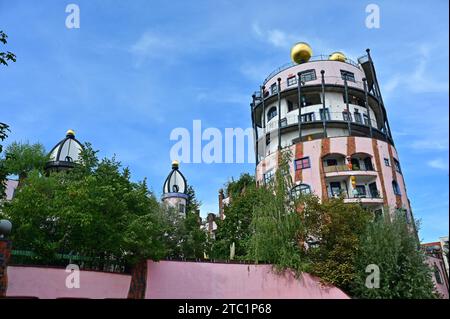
(192, 205)
(393, 247)
(235, 228)
(4, 129)
(93, 210)
(7, 56)
(22, 158)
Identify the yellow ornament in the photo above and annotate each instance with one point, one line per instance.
(337, 56)
(301, 52)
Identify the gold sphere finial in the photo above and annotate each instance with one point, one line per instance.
(337, 56)
(175, 164)
(70, 133)
(301, 52)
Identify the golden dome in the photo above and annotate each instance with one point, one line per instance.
(70, 133)
(337, 56)
(175, 164)
(301, 52)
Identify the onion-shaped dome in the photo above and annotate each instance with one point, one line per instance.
(301, 52)
(337, 56)
(66, 153)
(175, 182)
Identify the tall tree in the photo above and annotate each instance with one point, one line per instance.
(4, 129)
(22, 158)
(393, 248)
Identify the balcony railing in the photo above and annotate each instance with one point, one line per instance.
(343, 194)
(310, 117)
(321, 57)
(336, 168)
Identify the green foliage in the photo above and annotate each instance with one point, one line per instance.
(22, 158)
(183, 236)
(394, 248)
(5, 56)
(235, 228)
(192, 205)
(93, 210)
(4, 129)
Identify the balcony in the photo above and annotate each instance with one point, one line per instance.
(316, 117)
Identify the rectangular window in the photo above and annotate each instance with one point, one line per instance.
(302, 163)
(292, 81)
(366, 119)
(361, 191)
(268, 176)
(308, 75)
(397, 166)
(331, 162)
(283, 122)
(374, 190)
(273, 89)
(308, 117)
(290, 106)
(324, 114)
(347, 116)
(386, 162)
(358, 118)
(267, 139)
(310, 99)
(347, 75)
(335, 189)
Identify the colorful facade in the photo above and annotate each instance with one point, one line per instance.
(339, 137)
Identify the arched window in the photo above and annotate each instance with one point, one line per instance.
(272, 113)
(300, 189)
(396, 188)
(437, 275)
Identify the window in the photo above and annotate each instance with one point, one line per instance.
(331, 162)
(324, 114)
(181, 208)
(396, 188)
(308, 75)
(397, 166)
(368, 164)
(374, 193)
(267, 139)
(283, 122)
(301, 189)
(358, 118)
(290, 106)
(335, 189)
(378, 214)
(310, 99)
(272, 113)
(360, 191)
(291, 81)
(366, 119)
(354, 100)
(386, 162)
(437, 275)
(302, 163)
(268, 176)
(355, 164)
(347, 116)
(347, 75)
(308, 117)
(274, 89)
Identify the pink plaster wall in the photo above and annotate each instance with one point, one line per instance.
(442, 289)
(180, 280)
(50, 283)
(11, 185)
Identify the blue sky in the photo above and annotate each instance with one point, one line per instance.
(135, 70)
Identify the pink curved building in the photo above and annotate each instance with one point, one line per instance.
(339, 137)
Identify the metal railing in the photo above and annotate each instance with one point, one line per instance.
(310, 117)
(320, 57)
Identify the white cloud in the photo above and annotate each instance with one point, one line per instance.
(150, 46)
(420, 80)
(430, 144)
(438, 163)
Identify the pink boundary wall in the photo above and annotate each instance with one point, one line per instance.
(190, 280)
(172, 280)
(50, 283)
